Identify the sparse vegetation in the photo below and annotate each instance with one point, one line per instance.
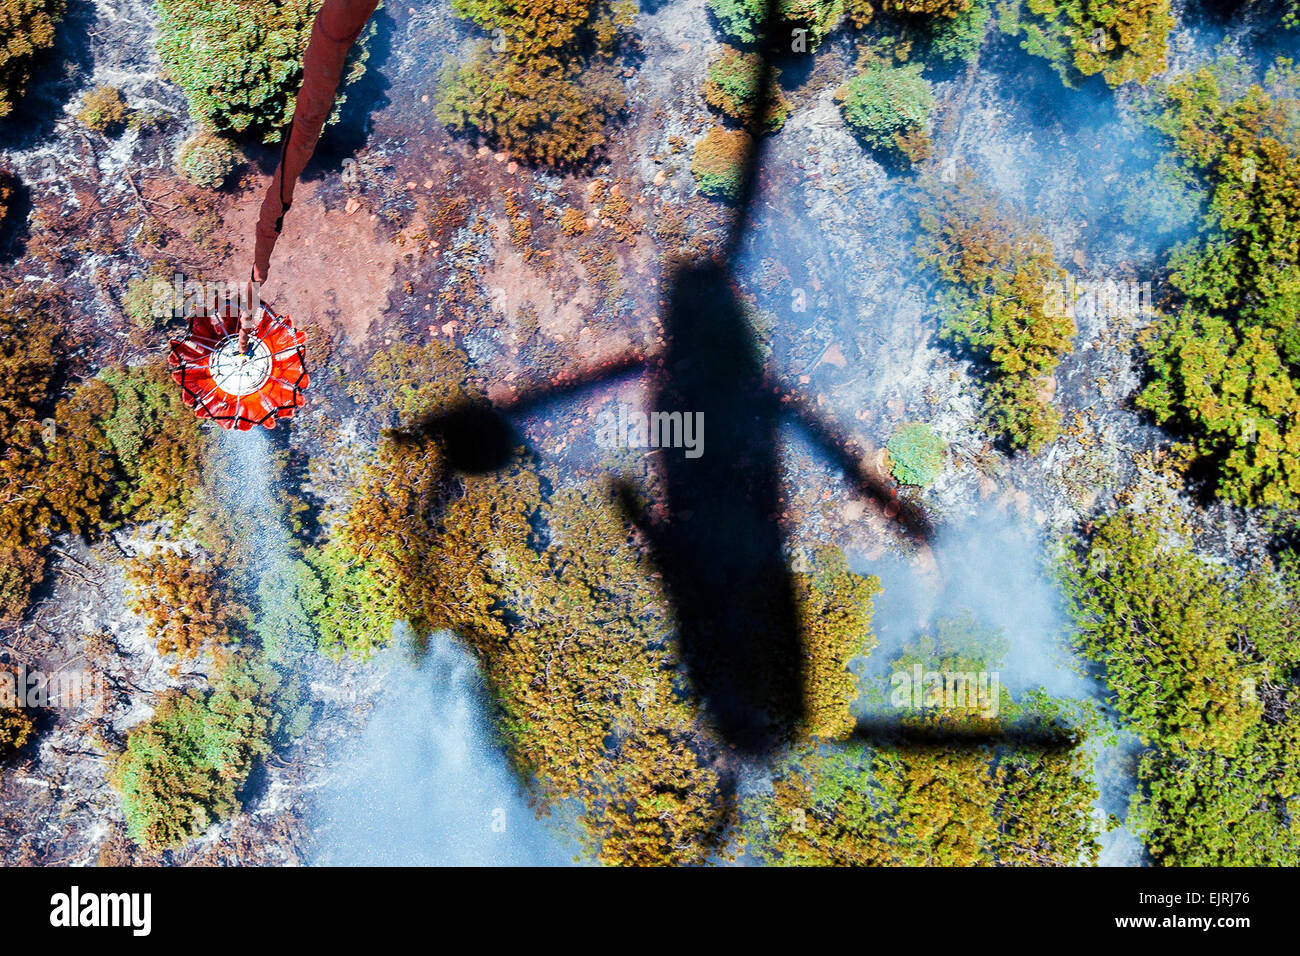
(103, 109)
(889, 108)
(718, 163)
(205, 159)
(1000, 275)
(615, 210)
(916, 454)
(573, 222)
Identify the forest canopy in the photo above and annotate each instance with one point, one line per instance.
(1224, 362)
(240, 63)
(81, 457)
(1122, 40)
(849, 804)
(996, 304)
(183, 769)
(546, 86)
(1197, 660)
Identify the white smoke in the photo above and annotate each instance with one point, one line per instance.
(996, 570)
(427, 784)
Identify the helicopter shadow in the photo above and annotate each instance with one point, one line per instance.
(716, 534)
(716, 537)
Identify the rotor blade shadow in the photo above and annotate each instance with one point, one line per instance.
(838, 445)
(892, 733)
(478, 435)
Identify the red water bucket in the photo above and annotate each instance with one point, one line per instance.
(262, 385)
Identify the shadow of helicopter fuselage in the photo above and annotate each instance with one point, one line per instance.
(716, 535)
